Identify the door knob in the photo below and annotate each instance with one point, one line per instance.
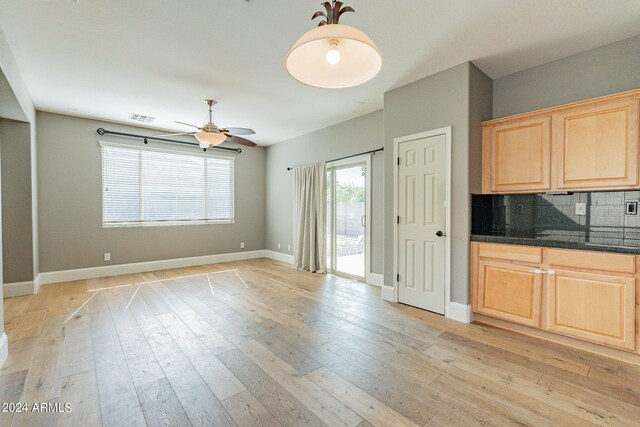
(439, 233)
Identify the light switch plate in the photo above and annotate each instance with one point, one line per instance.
(581, 208)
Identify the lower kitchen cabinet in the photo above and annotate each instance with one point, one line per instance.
(510, 291)
(586, 295)
(595, 307)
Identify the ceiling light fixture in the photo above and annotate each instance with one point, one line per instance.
(210, 135)
(333, 55)
(207, 139)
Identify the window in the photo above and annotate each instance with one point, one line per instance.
(147, 186)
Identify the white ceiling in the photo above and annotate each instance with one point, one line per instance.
(109, 58)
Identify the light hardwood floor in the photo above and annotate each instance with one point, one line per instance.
(256, 343)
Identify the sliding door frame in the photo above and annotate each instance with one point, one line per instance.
(344, 164)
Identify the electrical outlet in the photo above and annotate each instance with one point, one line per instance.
(289, 248)
(241, 245)
(107, 256)
(278, 245)
(581, 209)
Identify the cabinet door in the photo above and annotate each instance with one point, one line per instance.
(520, 158)
(510, 292)
(597, 146)
(594, 307)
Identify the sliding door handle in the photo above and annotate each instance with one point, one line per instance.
(363, 220)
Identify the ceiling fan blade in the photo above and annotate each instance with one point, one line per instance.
(241, 141)
(187, 124)
(238, 131)
(173, 134)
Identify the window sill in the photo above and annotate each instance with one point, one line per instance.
(164, 224)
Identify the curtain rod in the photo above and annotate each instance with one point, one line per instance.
(102, 131)
(353, 155)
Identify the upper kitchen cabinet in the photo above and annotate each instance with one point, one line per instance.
(596, 146)
(589, 145)
(519, 156)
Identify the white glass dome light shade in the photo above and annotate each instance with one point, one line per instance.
(207, 139)
(360, 59)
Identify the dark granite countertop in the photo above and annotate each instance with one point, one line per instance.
(530, 241)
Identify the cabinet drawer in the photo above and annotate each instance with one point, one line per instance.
(528, 254)
(614, 263)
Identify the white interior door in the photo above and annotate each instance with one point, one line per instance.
(422, 223)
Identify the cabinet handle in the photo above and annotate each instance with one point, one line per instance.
(536, 271)
(551, 272)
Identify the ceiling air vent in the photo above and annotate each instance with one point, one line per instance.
(141, 118)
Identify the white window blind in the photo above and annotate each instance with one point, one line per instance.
(147, 186)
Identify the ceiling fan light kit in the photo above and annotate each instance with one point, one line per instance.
(334, 55)
(207, 139)
(210, 135)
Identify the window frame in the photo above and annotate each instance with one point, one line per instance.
(169, 223)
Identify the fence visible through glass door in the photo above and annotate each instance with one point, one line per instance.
(346, 210)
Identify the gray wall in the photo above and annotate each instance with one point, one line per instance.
(598, 72)
(35, 232)
(70, 204)
(15, 102)
(353, 136)
(480, 109)
(1, 252)
(19, 192)
(443, 99)
(15, 139)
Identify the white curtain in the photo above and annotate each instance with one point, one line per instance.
(309, 220)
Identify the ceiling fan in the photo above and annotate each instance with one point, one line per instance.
(211, 135)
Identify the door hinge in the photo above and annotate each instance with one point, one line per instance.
(398, 277)
(398, 161)
(398, 219)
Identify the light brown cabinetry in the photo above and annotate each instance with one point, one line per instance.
(590, 145)
(594, 307)
(586, 295)
(518, 143)
(510, 291)
(597, 146)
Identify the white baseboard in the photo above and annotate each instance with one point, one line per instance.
(18, 289)
(375, 279)
(4, 348)
(388, 294)
(278, 256)
(460, 312)
(29, 288)
(141, 267)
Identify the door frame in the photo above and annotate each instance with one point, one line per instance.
(345, 163)
(446, 131)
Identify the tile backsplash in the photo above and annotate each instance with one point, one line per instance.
(590, 217)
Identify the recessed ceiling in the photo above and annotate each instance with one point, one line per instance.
(108, 59)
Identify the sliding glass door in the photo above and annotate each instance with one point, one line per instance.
(347, 219)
